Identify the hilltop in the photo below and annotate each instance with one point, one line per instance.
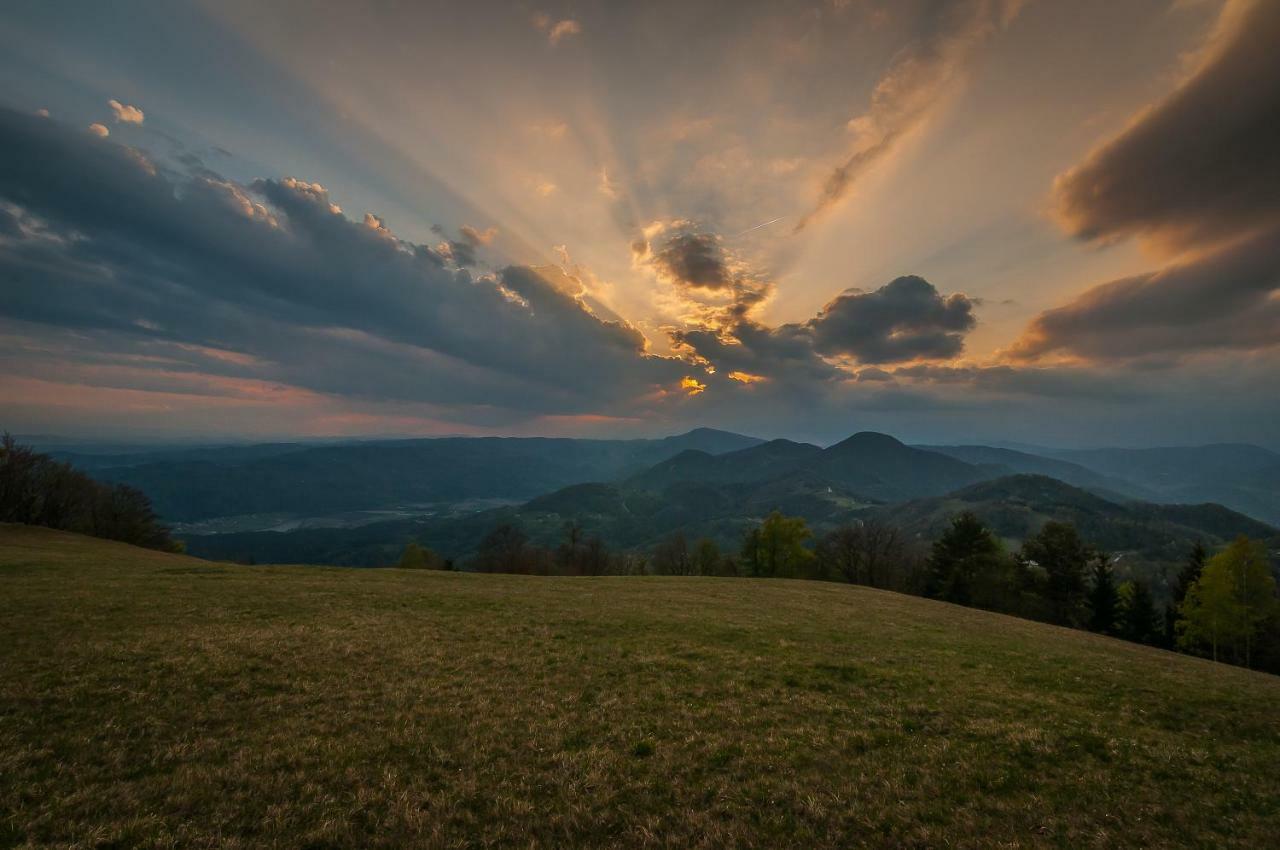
(1016, 506)
(152, 699)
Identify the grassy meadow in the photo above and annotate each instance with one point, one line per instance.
(154, 700)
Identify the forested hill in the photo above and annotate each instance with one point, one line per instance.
(356, 476)
(639, 517)
(874, 466)
(1015, 507)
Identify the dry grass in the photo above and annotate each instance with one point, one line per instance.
(159, 701)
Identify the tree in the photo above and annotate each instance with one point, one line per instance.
(595, 558)
(415, 557)
(867, 552)
(1104, 601)
(706, 558)
(960, 558)
(1139, 620)
(1229, 603)
(1187, 576)
(750, 555)
(1190, 572)
(671, 557)
(35, 489)
(569, 557)
(1058, 549)
(506, 549)
(779, 546)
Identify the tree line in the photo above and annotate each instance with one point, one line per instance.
(507, 549)
(35, 489)
(1222, 606)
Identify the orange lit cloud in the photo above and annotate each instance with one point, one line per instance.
(125, 114)
(920, 77)
(692, 386)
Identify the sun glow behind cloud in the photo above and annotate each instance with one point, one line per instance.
(567, 152)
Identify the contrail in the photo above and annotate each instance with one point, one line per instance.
(758, 226)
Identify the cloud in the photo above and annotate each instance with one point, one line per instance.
(1195, 173)
(1226, 299)
(608, 187)
(693, 259)
(463, 250)
(692, 386)
(906, 319)
(476, 236)
(558, 30)
(711, 287)
(99, 130)
(919, 77)
(125, 114)
(563, 29)
(129, 257)
(1200, 165)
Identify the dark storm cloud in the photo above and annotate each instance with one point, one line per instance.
(122, 249)
(1200, 172)
(1202, 163)
(1224, 300)
(464, 251)
(783, 354)
(704, 273)
(694, 259)
(906, 319)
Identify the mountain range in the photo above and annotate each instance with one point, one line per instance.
(725, 482)
(198, 484)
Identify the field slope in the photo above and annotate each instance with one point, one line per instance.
(160, 701)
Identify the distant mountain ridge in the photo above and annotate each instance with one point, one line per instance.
(702, 482)
(1243, 477)
(1013, 506)
(356, 476)
(1016, 506)
(1011, 462)
(876, 466)
(755, 463)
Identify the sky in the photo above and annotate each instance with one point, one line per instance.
(951, 220)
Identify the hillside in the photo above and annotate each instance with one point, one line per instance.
(1001, 462)
(875, 466)
(757, 463)
(882, 467)
(640, 513)
(1243, 477)
(1016, 506)
(157, 700)
(200, 484)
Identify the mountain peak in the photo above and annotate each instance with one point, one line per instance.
(870, 440)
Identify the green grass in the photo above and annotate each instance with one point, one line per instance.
(159, 701)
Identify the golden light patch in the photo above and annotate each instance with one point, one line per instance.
(692, 385)
(747, 377)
